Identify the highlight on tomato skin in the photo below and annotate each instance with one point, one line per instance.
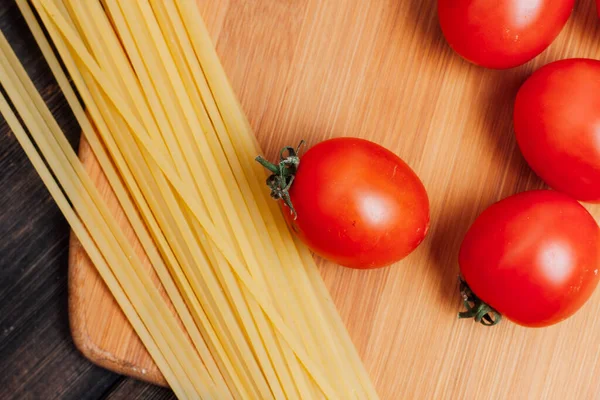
(356, 203)
(502, 34)
(557, 126)
(533, 257)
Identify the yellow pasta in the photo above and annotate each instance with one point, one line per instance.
(95, 224)
(252, 318)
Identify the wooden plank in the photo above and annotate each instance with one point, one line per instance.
(134, 390)
(312, 69)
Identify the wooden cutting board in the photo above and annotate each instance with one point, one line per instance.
(380, 69)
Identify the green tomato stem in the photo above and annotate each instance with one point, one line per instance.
(268, 165)
(477, 308)
(283, 174)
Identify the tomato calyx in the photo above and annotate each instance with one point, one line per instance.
(283, 174)
(477, 308)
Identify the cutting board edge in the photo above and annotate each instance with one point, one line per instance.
(78, 325)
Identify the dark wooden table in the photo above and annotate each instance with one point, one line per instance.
(37, 357)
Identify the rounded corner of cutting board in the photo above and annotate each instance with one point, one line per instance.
(87, 292)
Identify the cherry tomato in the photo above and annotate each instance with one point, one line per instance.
(502, 33)
(533, 257)
(357, 204)
(557, 125)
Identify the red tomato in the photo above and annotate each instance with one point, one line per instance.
(533, 257)
(502, 33)
(557, 124)
(357, 204)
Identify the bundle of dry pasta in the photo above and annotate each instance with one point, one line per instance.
(252, 318)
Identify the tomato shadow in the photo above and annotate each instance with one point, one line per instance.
(460, 210)
(422, 18)
(585, 19)
(446, 235)
(496, 104)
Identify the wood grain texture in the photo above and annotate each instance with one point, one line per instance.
(313, 69)
(134, 390)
